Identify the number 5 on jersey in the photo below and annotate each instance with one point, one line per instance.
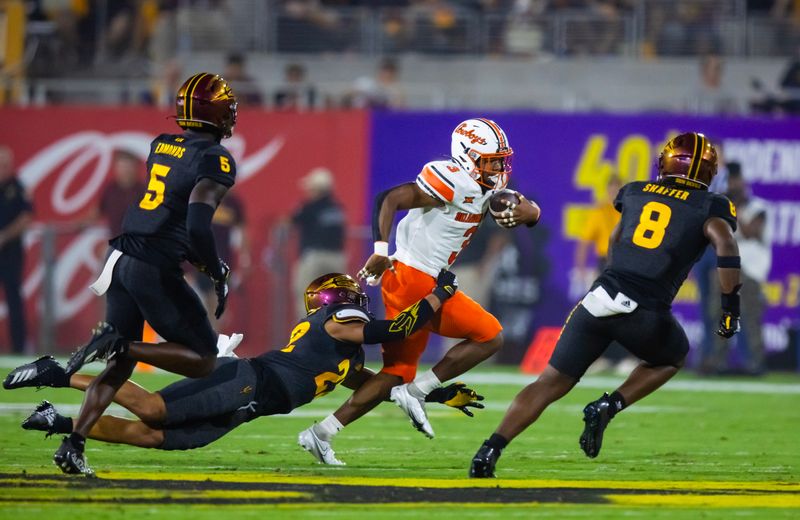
(155, 187)
(652, 225)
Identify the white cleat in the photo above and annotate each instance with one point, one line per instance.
(414, 408)
(321, 450)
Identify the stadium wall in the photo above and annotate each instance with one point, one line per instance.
(562, 161)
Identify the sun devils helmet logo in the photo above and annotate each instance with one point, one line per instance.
(206, 102)
(481, 147)
(690, 156)
(334, 288)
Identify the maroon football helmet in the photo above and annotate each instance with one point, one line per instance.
(333, 288)
(690, 156)
(206, 102)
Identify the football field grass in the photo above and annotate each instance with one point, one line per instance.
(698, 448)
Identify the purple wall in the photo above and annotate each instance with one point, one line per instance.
(562, 161)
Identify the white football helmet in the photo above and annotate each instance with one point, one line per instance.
(481, 147)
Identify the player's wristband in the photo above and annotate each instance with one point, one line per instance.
(382, 248)
(730, 302)
(442, 293)
(729, 262)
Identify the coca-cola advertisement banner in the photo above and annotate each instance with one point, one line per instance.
(63, 158)
(563, 162)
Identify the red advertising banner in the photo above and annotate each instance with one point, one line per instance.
(63, 157)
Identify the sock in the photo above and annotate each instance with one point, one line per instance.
(423, 384)
(62, 424)
(617, 403)
(327, 428)
(497, 441)
(77, 440)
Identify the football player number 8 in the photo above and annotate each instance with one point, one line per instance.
(652, 225)
(155, 188)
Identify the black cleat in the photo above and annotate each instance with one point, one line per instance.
(104, 344)
(71, 459)
(484, 461)
(42, 419)
(596, 416)
(45, 371)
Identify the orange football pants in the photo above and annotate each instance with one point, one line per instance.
(459, 317)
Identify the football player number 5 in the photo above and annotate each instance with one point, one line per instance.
(155, 188)
(652, 225)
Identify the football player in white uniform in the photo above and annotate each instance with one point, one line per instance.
(446, 204)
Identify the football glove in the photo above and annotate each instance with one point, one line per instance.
(456, 395)
(446, 285)
(729, 323)
(221, 288)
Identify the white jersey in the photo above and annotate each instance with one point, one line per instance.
(430, 239)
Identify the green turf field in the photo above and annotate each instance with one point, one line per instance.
(717, 448)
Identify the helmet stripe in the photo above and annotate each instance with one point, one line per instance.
(696, 153)
(701, 145)
(190, 91)
(186, 94)
(501, 142)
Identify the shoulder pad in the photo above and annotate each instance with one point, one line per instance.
(723, 208)
(620, 195)
(438, 179)
(348, 313)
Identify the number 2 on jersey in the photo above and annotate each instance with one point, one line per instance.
(155, 188)
(652, 225)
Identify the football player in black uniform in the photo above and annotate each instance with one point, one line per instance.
(189, 174)
(324, 350)
(665, 227)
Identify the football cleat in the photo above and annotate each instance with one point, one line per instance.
(42, 419)
(413, 407)
(321, 450)
(71, 460)
(596, 416)
(104, 344)
(484, 461)
(45, 371)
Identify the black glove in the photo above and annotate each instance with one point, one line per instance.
(446, 285)
(729, 323)
(457, 395)
(221, 288)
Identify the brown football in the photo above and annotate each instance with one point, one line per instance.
(497, 202)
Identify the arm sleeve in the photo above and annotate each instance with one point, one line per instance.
(198, 227)
(376, 214)
(723, 208)
(405, 324)
(436, 184)
(217, 165)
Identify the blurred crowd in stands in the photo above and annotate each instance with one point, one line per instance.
(82, 29)
(146, 39)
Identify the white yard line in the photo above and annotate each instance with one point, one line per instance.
(607, 383)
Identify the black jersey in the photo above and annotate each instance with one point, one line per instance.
(661, 237)
(313, 363)
(154, 229)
